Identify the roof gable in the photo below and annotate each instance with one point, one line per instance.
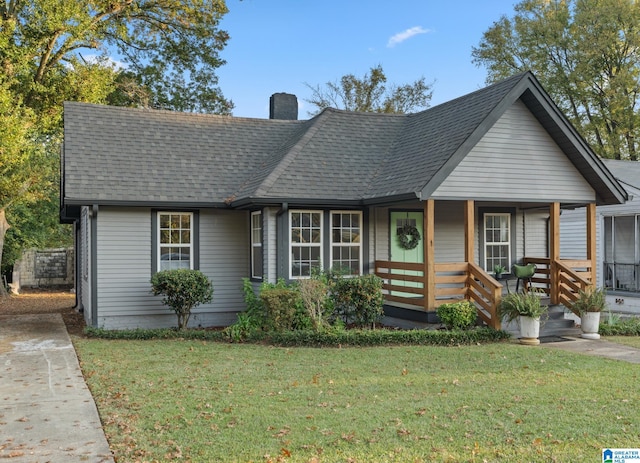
(516, 159)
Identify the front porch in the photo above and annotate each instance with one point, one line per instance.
(422, 287)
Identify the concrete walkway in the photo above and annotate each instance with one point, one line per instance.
(47, 413)
(599, 348)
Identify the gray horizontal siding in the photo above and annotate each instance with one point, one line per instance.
(224, 256)
(516, 159)
(124, 263)
(124, 268)
(449, 231)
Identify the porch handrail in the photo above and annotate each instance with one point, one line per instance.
(571, 282)
(485, 291)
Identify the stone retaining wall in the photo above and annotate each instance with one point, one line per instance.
(44, 268)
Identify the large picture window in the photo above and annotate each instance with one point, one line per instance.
(346, 242)
(256, 245)
(305, 239)
(175, 240)
(497, 240)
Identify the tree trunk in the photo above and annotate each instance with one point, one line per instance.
(4, 226)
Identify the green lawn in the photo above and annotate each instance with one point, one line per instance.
(209, 402)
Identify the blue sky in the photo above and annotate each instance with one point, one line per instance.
(279, 45)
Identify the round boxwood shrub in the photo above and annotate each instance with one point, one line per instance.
(183, 289)
(457, 315)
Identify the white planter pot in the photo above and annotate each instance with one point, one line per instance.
(590, 324)
(529, 330)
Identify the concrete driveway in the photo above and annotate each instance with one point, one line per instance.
(47, 413)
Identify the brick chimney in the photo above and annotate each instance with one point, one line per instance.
(283, 106)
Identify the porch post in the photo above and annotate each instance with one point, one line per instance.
(591, 240)
(429, 257)
(554, 250)
(469, 226)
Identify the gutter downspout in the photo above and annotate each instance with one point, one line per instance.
(94, 266)
(280, 242)
(76, 279)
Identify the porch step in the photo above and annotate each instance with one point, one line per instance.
(551, 324)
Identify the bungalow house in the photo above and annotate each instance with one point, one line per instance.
(617, 240)
(431, 201)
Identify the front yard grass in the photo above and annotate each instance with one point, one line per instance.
(196, 401)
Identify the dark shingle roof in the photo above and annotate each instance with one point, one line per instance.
(115, 154)
(118, 155)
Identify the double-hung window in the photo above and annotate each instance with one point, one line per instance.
(256, 245)
(305, 241)
(346, 242)
(497, 240)
(175, 240)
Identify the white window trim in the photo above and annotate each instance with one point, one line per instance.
(487, 244)
(291, 244)
(255, 245)
(160, 245)
(359, 244)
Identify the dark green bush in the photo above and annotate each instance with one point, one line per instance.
(628, 327)
(457, 315)
(342, 338)
(359, 300)
(183, 289)
(280, 305)
(332, 337)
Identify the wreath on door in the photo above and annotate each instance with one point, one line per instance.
(408, 236)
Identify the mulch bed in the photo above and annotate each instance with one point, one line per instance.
(41, 301)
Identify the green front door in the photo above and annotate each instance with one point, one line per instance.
(401, 254)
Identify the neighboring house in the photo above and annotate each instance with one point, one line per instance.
(618, 240)
(482, 178)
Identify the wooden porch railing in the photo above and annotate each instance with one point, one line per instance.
(486, 292)
(404, 283)
(541, 280)
(573, 276)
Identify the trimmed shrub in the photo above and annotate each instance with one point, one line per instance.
(280, 305)
(332, 337)
(359, 300)
(370, 338)
(457, 315)
(183, 289)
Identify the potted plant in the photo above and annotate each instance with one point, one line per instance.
(589, 304)
(498, 270)
(527, 309)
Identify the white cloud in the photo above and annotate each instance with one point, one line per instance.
(106, 61)
(405, 35)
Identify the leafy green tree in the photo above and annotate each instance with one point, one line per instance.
(370, 94)
(58, 50)
(585, 54)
